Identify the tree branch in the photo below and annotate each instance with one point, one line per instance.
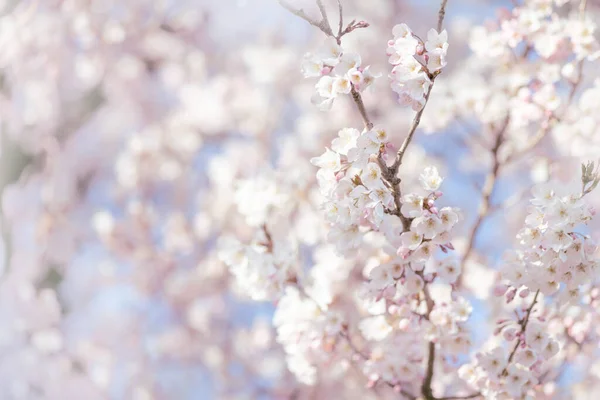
(441, 15)
(470, 396)
(323, 25)
(413, 128)
(426, 387)
(361, 108)
(341, 17)
(323, 14)
(487, 191)
(524, 323)
(390, 173)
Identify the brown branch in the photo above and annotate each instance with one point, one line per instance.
(390, 173)
(470, 396)
(523, 324)
(325, 27)
(441, 15)
(487, 191)
(411, 132)
(426, 387)
(341, 17)
(323, 13)
(361, 108)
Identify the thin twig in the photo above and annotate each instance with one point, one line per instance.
(323, 25)
(441, 15)
(323, 11)
(426, 387)
(390, 173)
(523, 323)
(487, 191)
(341, 16)
(470, 396)
(411, 132)
(361, 108)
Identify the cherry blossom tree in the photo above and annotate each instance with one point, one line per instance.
(299, 199)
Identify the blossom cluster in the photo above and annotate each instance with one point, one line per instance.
(430, 229)
(401, 311)
(412, 78)
(309, 332)
(537, 22)
(553, 260)
(339, 72)
(351, 184)
(553, 253)
(262, 268)
(164, 234)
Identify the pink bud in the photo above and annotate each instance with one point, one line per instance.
(391, 43)
(326, 70)
(524, 293)
(510, 334)
(510, 295)
(403, 252)
(389, 292)
(500, 289)
(434, 210)
(438, 194)
(420, 49)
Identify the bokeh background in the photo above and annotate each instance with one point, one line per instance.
(125, 127)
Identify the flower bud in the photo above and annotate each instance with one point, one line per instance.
(500, 289)
(510, 334)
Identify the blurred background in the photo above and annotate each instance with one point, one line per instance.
(125, 128)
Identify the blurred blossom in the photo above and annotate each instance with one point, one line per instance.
(257, 200)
